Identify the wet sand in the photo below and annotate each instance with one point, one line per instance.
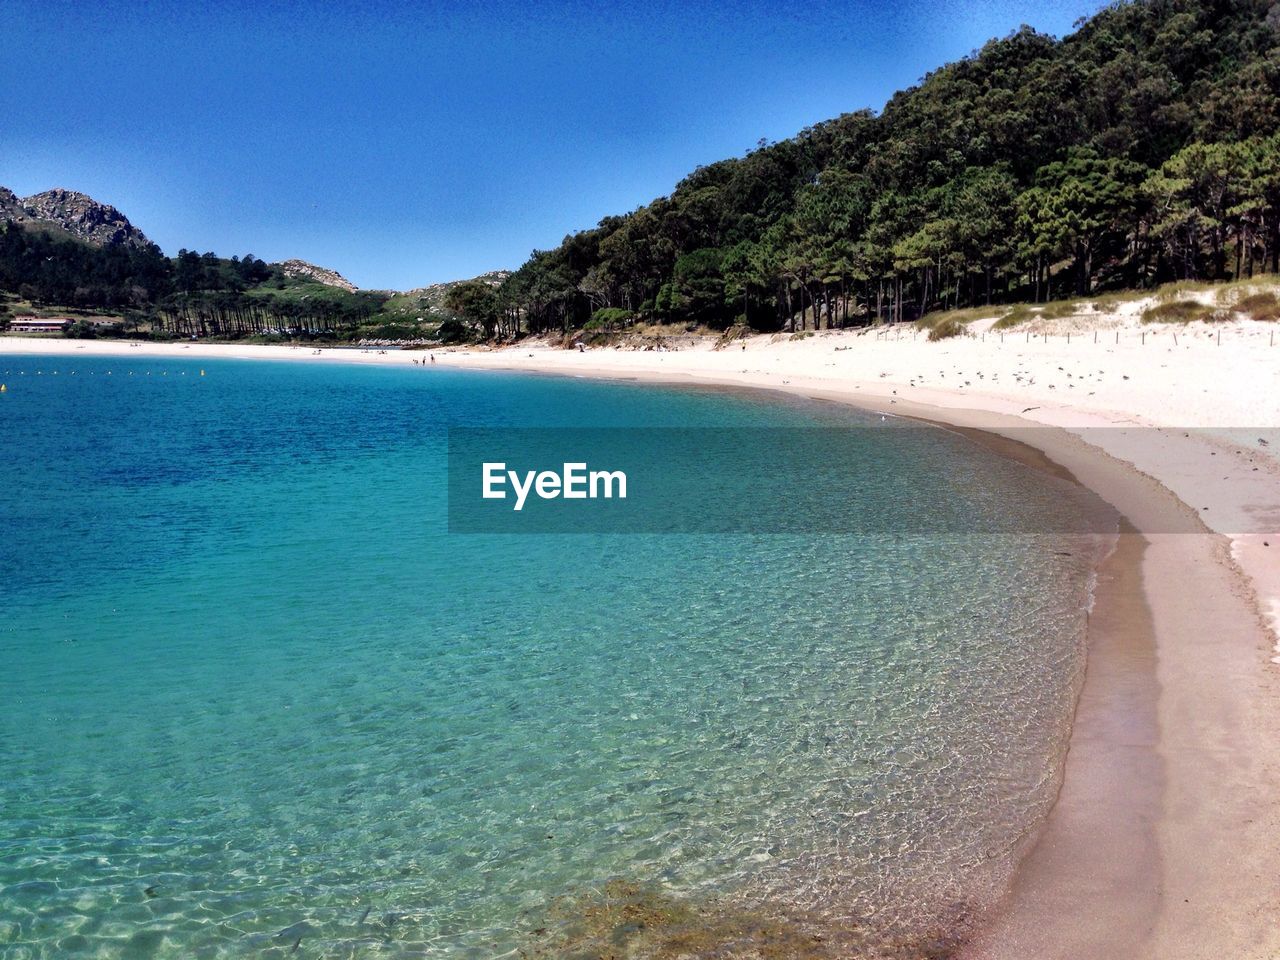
(1098, 853)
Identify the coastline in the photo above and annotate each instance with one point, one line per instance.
(1163, 836)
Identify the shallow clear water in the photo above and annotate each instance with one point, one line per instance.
(252, 691)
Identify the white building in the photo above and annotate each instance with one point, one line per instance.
(39, 324)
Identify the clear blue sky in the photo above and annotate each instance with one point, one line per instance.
(403, 144)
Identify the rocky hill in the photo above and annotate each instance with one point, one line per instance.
(301, 270)
(11, 206)
(432, 297)
(79, 215)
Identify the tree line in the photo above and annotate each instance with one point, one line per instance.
(1143, 147)
(192, 294)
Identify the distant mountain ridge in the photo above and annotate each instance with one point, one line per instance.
(83, 218)
(76, 213)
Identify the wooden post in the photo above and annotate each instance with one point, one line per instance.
(1144, 338)
(1219, 337)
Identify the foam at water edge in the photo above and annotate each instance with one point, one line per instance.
(1274, 624)
(1269, 606)
(1104, 547)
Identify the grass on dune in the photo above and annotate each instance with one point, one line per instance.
(1053, 310)
(965, 315)
(1061, 309)
(1175, 302)
(1005, 316)
(1179, 290)
(1020, 313)
(1223, 291)
(1259, 306)
(1177, 311)
(1235, 289)
(1109, 302)
(946, 329)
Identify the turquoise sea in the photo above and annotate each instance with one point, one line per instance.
(256, 700)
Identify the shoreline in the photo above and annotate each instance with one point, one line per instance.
(1163, 836)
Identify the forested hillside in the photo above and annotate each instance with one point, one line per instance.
(1142, 148)
(192, 294)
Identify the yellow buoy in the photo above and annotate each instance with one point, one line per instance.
(3, 388)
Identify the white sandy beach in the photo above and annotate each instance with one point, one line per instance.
(1165, 837)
